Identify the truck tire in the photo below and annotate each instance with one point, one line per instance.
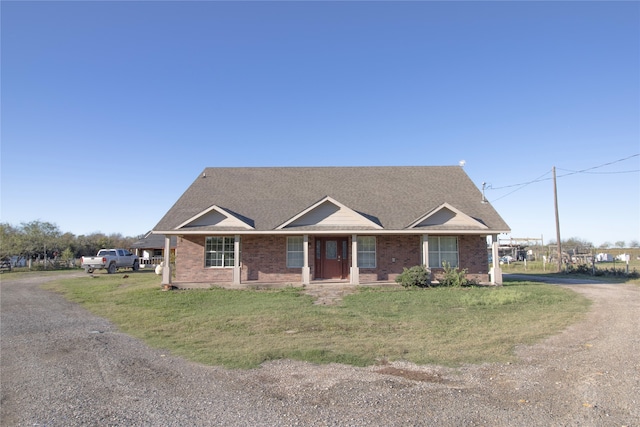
(136, 266)
(88, 270)
(112, 268)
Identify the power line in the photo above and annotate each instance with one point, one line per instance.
(541, 177)
(600, 166)
(597, 173)
(521, 186)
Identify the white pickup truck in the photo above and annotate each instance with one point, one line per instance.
(112, 260)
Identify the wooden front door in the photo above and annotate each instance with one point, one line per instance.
(332, 256)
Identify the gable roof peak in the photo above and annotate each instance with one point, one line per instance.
(328, 212)
(449, 216)
(216, 216)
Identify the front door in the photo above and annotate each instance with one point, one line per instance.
(333, 256)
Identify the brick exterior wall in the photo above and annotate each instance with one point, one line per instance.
(190, 263)
(393, 253)
(264, 259)
(473, 256)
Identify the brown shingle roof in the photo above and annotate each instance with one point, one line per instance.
(152, 241)
(394, 197)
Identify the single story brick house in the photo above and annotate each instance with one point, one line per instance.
(301, 225)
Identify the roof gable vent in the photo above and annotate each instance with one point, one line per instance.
(447, 216)
(329, 213)
(215, 216)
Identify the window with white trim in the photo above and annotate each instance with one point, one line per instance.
(366, 251)
(219, 251)
(443, 249)
(295, 252)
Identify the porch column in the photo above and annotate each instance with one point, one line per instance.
(166, 269)
(306, 271)
(354, 276)
(236, 259)
(495, 272)
(425, 250)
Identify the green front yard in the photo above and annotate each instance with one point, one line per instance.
(243, 328)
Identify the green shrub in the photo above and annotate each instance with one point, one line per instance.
(578, 269)
(67, 256)
(416, 276)
(600, 272)
(453, 277)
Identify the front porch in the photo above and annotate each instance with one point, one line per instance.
(271, 261)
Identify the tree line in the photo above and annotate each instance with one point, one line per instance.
(578, 242)
(44, 240)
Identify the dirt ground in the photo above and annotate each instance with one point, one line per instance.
(587, 375)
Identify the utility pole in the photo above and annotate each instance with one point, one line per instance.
(555, 199)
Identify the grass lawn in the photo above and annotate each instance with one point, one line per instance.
(243, 328)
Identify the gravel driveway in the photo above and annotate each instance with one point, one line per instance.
(62, 366)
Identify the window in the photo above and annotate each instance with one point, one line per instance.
(295, 252)
(218, 252)
(367, 252)
(443, 249)
(331, 249)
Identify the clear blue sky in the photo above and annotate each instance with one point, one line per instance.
(110, 110)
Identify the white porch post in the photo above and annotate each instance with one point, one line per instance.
(306, 271)
(236, 260)
(425, 250)
(495, 272)
(425, 254)
(166, 269)
(354, 276)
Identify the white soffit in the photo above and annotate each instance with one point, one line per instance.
(329, 212)
(214, 216)
(447, 215)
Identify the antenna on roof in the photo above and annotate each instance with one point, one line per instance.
(462, 163)
(484, 199)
